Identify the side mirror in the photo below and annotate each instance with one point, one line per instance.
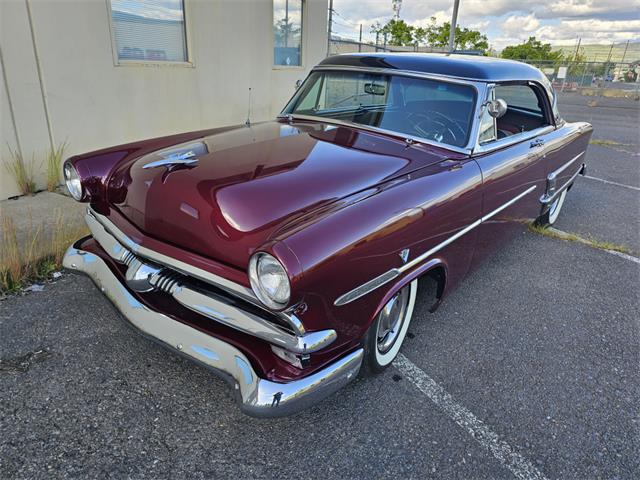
(497, 108)
(298, 83)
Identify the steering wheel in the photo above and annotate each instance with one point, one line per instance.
(437, 126)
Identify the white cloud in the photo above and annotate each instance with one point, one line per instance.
(520, 26)
(590, 30)
(507, 21)
(581, 8)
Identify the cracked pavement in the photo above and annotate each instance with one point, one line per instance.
(541, 344)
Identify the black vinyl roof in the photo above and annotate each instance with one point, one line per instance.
(474, 67)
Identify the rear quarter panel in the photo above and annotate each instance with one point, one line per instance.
(566, 143)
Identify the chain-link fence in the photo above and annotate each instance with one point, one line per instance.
(615, 79)
(611, 79)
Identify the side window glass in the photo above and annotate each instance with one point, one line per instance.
(525, 111)
(519, 96)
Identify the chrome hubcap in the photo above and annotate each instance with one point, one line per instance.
(391, 319)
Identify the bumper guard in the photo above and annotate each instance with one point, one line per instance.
(257, 396)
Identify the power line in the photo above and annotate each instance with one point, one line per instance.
(350, 27)
(344, 18)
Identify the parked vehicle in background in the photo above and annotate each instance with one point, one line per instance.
(285, 255)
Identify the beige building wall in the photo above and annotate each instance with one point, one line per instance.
(93, 102)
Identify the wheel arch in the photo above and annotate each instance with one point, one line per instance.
(435, 269)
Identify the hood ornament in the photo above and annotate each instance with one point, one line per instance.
(184, 158)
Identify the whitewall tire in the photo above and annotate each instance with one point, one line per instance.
(551, 215)
(388, 331)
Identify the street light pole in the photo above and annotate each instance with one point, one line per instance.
(454, 22)
(329, 29)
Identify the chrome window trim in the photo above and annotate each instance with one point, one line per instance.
(404, 136)
(489, 95)
(479, 148)
(389, 275)
(405, 73)
(229, 286)
(512, 140)
(478, 86)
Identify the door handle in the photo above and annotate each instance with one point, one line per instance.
(536, 143)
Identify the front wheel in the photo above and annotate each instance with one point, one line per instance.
(385, 336)
(551, 215)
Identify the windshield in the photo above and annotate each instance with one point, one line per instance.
(430, 109)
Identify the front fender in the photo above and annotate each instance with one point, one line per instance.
(360, 242)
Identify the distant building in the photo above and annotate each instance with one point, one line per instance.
(104, 72)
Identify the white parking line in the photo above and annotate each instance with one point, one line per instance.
(611, 183)
(577, 238)
(502, 451)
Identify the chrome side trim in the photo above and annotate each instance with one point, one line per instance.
(508, 204)
(557, 172)
(256, 396)
(112, 239)
(365, 288)
(438, 247)
(377, 282)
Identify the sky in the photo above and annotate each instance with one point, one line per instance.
(505, 22)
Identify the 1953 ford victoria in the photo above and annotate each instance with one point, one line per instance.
(285, 255)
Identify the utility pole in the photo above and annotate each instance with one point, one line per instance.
(360, 40)
(625, 52)
(329, 29)
(610, 52)
(575, 55)
(454, 22)
(286, 24)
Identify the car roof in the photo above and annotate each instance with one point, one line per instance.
(473, 67)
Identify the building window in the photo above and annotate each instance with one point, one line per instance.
(287, 32)
(149, 30)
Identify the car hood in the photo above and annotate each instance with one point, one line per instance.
(225, 195)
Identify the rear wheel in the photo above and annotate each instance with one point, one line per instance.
(551, 215)
(386, 334)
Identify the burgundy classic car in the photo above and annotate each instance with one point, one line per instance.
(285, 255)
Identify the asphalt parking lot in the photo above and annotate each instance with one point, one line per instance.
(529, 369)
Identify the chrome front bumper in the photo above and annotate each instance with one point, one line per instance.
(257, 396)
(150, 270)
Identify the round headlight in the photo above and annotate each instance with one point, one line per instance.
(269, 280)
(72, 180)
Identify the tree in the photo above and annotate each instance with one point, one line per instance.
(532, 50)
(419, 35)
(398, 32)
(465, 39)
